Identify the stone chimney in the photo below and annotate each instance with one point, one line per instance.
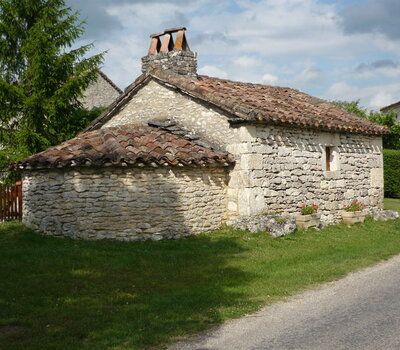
(170, 51)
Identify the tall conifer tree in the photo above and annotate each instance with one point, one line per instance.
(42, 75)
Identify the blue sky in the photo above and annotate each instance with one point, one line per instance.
(339, 49)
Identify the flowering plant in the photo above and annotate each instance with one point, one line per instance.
(354, 206)
(308, 209)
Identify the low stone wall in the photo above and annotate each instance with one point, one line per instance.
(125, 204)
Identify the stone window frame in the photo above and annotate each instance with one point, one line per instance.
(331, 140)
(331, 166)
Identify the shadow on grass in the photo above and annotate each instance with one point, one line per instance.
(111, 295)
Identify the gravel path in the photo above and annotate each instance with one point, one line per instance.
(360, 311)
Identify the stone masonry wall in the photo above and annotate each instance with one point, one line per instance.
(125, 203)
(179, 62)
(155, 102)
(277, 168)
(281, 168)
(99, 94)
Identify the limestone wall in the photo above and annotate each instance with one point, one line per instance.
(99, 94)
(179, 62)
(281, 168)
(125, 204)
(277, 168)
(155, 102)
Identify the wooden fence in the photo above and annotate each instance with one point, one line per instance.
(11, 202)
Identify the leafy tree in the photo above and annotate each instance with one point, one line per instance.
(391, 164)
(80, 119)
(392, 140)
(42, 76)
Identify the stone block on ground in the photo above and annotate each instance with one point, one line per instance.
(276, 225)
(382, 215)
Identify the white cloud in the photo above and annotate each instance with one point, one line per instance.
(383, 98)
(272, 28)
(308, 75)
(387, 68)
(300, 41)
(246, 62)
(269, 79)
(212, 71)
(374, 97)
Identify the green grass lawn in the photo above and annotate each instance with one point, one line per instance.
(57, 293)
(392, 204)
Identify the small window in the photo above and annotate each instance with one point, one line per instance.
(331, 159)
(328, 158)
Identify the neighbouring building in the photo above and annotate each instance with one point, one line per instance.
(395, 107)
(180, 153)
(100, 93)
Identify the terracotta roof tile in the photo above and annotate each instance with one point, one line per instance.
(127, 144)
(255, 103)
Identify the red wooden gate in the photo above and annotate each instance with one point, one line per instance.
(11, 202)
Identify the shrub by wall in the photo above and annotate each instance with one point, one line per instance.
(391, 163)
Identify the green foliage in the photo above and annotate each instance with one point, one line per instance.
(280, 220)
(308, 209)
(42, 77)
(80, 119)
(355, 205)
(352, 107)
(75, 294)
(391, 141)
(391, 164)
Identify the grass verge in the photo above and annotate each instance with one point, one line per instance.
(56, 293)
(392, 204)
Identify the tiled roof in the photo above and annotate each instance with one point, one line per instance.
(125, 145)
(255, 103)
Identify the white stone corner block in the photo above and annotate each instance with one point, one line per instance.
(239, 148)
(377, 177)
(251, 162)
(250, 201)
(247, 133)
(239, 179)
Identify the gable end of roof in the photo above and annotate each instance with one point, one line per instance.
(247, 102)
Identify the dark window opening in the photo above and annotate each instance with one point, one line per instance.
(328, 158)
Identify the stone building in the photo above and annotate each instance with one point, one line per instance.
(394, 107)
(179, 153)
(100, 93)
